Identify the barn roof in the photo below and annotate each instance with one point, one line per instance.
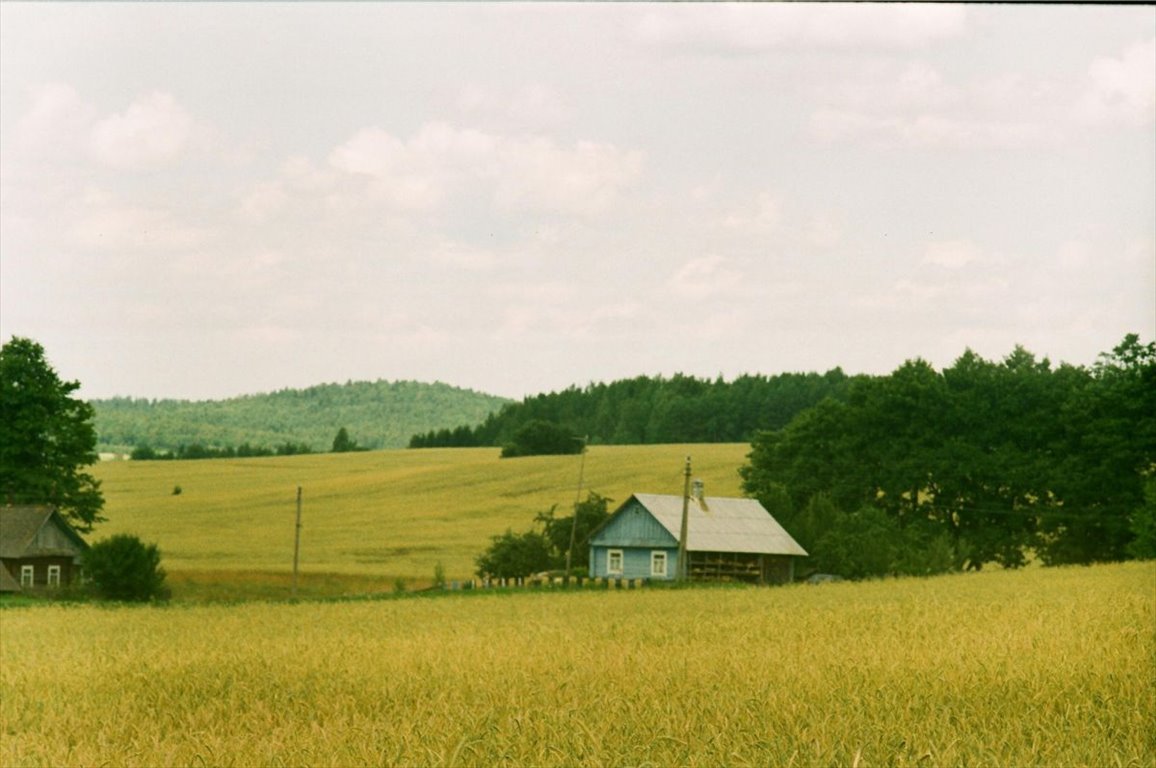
(20, 526)
(722, 525)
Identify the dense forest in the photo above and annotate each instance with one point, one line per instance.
(650, 410)
(377, 414)
(983, 462)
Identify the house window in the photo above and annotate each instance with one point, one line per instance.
(614, 561)
(54, 575)
(658, 563)
(27, 575)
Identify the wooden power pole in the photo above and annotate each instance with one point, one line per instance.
(297, 542)
(683, 566)
(577, 501)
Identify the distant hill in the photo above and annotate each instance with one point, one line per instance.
(378, 414)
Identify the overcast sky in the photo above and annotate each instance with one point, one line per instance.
(204, 200)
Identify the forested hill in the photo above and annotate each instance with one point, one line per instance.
(377, 414)
(646, 410)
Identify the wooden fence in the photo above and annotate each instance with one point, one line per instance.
(552, 582)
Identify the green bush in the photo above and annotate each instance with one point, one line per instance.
(123, 567)
(543, 438)
(514, 555)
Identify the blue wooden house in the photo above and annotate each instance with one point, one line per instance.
(727, 540)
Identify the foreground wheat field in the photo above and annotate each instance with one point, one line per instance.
(370, 518)
(1047, 667)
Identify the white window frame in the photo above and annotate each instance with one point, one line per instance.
(658, 556)
(611, 554)
(54, 575)
(27, 575)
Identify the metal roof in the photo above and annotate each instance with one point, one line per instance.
(722, 525)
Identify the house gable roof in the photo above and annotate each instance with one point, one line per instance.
(7, 583)
(632, 525)
(37, 532)
(719, 524)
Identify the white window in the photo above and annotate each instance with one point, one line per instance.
(614, 561)
(658, 563)
(54, 575)
(27, 575)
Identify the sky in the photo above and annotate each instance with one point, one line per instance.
(206, 200)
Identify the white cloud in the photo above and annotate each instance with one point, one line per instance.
(514, 173)
(413, 175)
(727, 28)
(533, 107)
(888, 103)
(913, 290)
(927, 130)
(594, 323)
(951, 254)
(152, 131)
(822, 231)
(887, 86)
(1121, 89)
(462, 256)
(538, 175)
(263, 201)
(705, 277)
(107, 224)
(56, 124)
(760, 215)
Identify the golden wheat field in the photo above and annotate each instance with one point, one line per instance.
(1043, 667)
(369, 519)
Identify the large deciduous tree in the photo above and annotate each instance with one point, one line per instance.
(994, 459)
(1108, 453)
(47, 437)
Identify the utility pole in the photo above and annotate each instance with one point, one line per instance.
(683, 569)
(297, 542)
(577, 501)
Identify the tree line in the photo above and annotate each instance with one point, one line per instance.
(649, 410)
(982, 462)
(383, 414)
(197, 451)
(342, 443)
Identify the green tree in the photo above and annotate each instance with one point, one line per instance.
(1143, 545)
(863, 544)
(342, 443)
(543, 438)
(588, 515)
(516, 555)
(1000, 457)
(47, 437)
(991, 477)
(1107, 451)
(123, 567)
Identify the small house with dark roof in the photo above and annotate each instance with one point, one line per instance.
(728, 539)
(38, 549)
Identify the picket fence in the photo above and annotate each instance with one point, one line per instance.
(549, 582)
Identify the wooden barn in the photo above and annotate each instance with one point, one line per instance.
(727, 540)
(38, 549)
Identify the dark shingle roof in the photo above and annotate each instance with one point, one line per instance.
(19, 529)
(7, 583)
